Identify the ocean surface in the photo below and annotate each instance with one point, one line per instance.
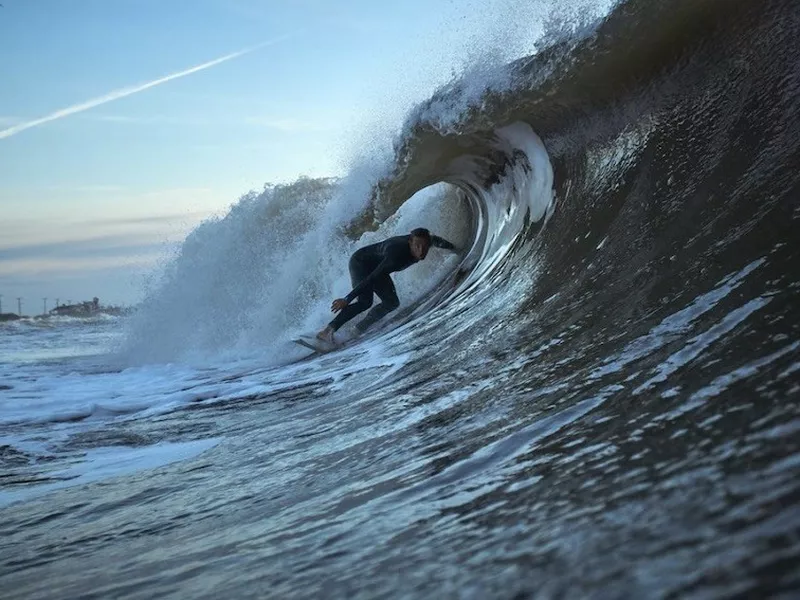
(595, 397)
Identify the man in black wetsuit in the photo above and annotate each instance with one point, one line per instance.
(370, 267)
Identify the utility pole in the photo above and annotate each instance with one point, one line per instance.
(44, 312)
(1, 304)
(57, 302)
(19, 306)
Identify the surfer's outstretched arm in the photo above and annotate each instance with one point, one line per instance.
(440, 242)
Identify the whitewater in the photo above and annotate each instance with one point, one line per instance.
(596, 396)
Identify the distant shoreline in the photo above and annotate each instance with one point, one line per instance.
(114, 311)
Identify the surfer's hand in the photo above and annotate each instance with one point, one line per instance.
(339, 304)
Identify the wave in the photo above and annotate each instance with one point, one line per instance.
(619, 165)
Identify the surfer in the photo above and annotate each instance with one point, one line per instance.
(370, 267)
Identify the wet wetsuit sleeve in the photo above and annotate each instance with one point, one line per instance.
(383, 268)
(441, 243)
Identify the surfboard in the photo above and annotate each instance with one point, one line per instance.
(315, 345)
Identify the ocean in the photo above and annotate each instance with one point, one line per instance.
(595, 397)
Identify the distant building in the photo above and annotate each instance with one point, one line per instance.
(83, 309)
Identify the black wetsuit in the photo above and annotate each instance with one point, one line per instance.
(370, 267)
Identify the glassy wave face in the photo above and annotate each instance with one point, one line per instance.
(598, 396)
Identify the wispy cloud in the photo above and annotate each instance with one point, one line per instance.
(286, 124)
(360, 25)
(128, 91)
(150, 120)
(178, 218)
(85, 189)
(178, 192)
(42, 271)
(108, 246)
(21, 237)
(39, 264)
(88, 254)
(91, 188)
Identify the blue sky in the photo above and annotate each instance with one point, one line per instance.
(93, 197)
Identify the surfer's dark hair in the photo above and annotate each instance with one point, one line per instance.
(421, 232)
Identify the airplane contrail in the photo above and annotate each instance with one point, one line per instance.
(127, 91)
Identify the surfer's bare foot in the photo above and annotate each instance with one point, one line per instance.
(326, 335)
